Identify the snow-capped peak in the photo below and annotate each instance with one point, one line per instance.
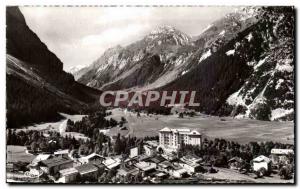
(163, 34)
(163, 30)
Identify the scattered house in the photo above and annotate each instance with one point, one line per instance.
(111, 163)
(62, 153)
(127, 170)
(173, 138)
(88, 170)
(68, 175)
(92, 158)
(34, 167)
(191, 167)
(40, 157)
(191, 158)
(235, 163)
(173, 170)
(54, 165)
(280, 156)
(146, 167)
(149, 150)
(171, 156)
(157, 159)
(261, 162)
(134, 152)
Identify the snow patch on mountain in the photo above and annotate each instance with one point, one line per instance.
(205, 55)
(230, 52)
(280, 112)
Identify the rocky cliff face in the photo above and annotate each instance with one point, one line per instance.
(37, 87)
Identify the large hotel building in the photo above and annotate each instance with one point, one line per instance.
(173, 138)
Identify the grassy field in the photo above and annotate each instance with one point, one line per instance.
(17, 153)
(239, 130)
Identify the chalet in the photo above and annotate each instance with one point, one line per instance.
(68, 175)
(191, 167)
(62, 153)
(280, 156)
(173, 170)
(191, 158)
(111, 163)
(40, 157)
(157, 159)
(149, 150)
(235, 163)
(261, 162)
(87, 170)
(165, 166)
(54, 165)
(146, 167)
(34, 166)
(92, 158)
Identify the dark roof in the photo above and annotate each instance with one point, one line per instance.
(56, 161)
(86, 168)
(157, 159)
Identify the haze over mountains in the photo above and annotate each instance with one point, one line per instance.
(242, 65)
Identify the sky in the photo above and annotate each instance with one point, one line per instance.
(79, 35)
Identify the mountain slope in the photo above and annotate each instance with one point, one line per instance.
(241, 65)
(37, 86)
(119, 62)
(256, 66)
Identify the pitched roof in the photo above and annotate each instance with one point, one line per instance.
(56, 161)
(166, 129)
(59, 152)
(261, 158)
(157, 159)
(111, 163)
(86, 168)
(68, 171)
(40, 157)
(145, 166)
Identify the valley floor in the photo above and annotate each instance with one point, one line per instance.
(239, 130)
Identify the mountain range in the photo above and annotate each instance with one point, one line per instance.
(241, 65)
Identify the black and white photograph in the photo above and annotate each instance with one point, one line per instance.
(134, 94)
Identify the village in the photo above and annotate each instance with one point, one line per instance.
(175, 155)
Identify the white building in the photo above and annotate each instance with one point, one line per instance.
(173, 138)
(261, 162)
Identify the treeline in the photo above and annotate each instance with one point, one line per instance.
(24, 104)
(92, 123)
(42, 141)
